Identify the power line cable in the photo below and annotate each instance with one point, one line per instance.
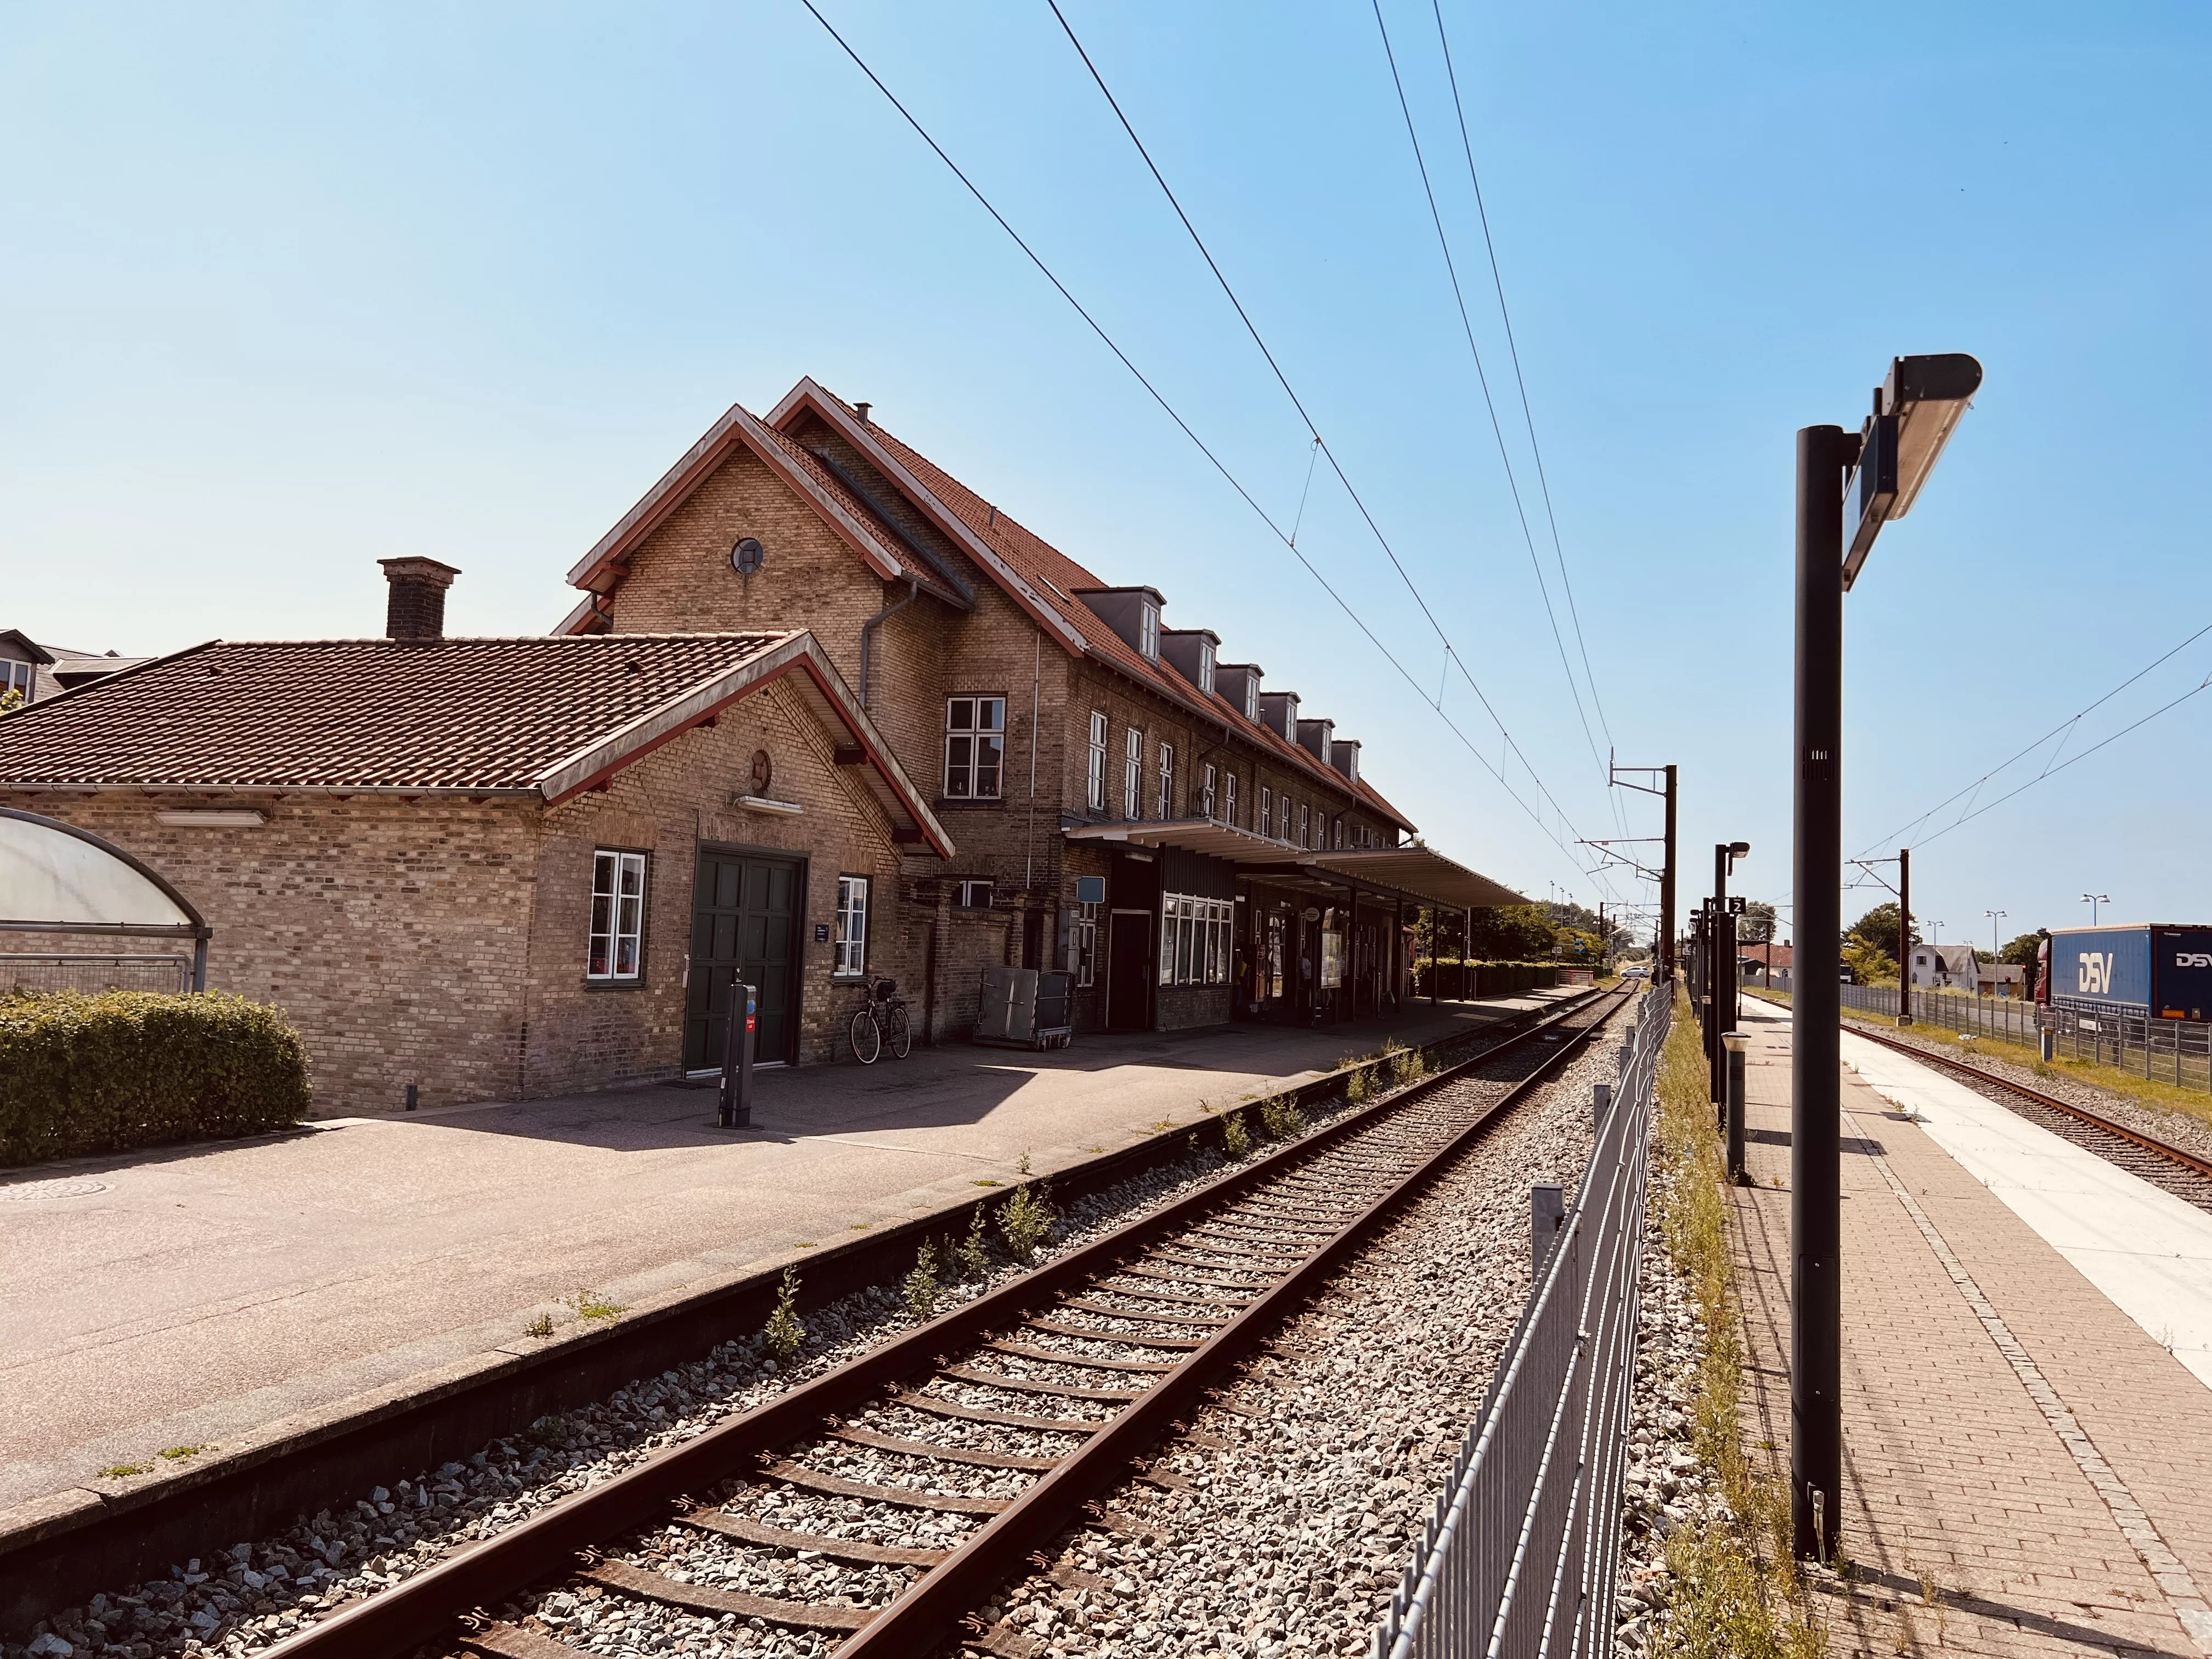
(1513, 347)
(1533, 813)
(2065, 726)
(2063, 730)
(1451, 653)
(1482, 379)
(1321, 444)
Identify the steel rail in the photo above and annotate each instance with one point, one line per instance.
(931, 1609)
(431, 1605)
(2148, 1143)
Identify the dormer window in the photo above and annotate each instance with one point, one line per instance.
(1252, 698)
(1148, 630)
(1206, 667)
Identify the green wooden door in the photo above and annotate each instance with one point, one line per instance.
(745, 916)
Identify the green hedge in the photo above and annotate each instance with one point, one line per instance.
(1454, 978)
(85, 1074)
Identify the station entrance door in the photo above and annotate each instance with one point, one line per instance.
(746, 915)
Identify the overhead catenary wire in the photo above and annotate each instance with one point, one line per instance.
(2063, 731)
(1535, 814)
(1319, 443)
(1482, 379)
(1520, 380)
(2053, 767)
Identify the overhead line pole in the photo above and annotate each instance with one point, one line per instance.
(1667, 951)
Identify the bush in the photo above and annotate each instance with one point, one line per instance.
(83, 1073)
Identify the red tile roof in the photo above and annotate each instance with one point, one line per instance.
(457, 714)
(1054, 578)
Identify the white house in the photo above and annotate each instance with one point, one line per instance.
(1938, 966)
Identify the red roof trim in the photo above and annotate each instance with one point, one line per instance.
(898, 462)
(800, 651)
(739, 427)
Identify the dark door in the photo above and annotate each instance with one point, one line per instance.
(1129, 972)
(744, 923)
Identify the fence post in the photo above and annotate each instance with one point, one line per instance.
(1547, 1213)
(1601, 1101)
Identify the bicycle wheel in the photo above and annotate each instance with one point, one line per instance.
(867, 1039)
(902, 1035)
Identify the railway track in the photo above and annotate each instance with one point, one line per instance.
(2183, 1174)
(875, 1507)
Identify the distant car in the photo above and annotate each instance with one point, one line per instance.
(1636, 970)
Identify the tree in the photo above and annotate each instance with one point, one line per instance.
(1756, 924)
(1869, 964)
(1513, 932)
(2026, 951)
(1878, 927)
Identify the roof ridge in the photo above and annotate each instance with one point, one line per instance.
(1003, 527)
(509, 639)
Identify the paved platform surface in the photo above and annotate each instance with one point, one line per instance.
(2029, 1471)
(213, 1289)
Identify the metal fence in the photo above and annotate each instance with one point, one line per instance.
(26, 971)
(2176, 1051)
(1519, 1557)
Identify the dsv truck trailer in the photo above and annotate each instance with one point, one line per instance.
(2157, 970)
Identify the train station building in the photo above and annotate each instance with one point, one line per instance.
(820, 714)
(1193, 845)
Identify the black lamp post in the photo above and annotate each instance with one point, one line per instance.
(1883, 466)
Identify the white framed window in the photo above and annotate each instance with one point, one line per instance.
(1095, 779)
(1305, 824)
(1336, 830)
(617, 954)
(1167, 782)
(1194, 940)
(1208, 790)
(1132, 773)
(1084, 945)
(852, 935)
(1206, 666)
(975, 747)
(1229, 799)
(1148, 630)
(1266, 812)
(1252, 697)
(16, 677)
(972, 894)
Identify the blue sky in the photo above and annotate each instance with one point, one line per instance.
(292, 288)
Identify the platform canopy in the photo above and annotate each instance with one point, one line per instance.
(58, 878)
(1416, 872)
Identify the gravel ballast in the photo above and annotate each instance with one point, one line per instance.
(258, 1592)
(1282, 1523)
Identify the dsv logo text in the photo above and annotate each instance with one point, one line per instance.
(2096, 976)
(2194, 959)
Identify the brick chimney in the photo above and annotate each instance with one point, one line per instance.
(416, 608)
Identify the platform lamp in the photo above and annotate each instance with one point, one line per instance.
(1866, 479)
(2093, 900)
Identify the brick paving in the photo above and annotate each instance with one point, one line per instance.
(1972, 1527)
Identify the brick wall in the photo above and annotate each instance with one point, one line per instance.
(679, 579)
(670, 802)
(442, 942)
(394, 932)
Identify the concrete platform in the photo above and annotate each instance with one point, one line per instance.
(211, 1291)
(2028, 1467)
